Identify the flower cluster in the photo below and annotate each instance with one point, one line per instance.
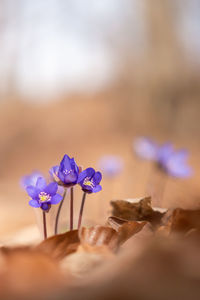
(63, 176)
(173, 162)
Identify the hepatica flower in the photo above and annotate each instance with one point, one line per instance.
(89, 181)
(65, 176)
(30, 179)
(111, 165)
(164, 152)
(43, 195)
(174, 163)
(66, 173)
(146, 148)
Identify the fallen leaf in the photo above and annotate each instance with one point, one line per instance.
(125, 229)
(193, 234)
(97, 246)
(182, 220)
(137, 210)
(60, 245)
(99, 236)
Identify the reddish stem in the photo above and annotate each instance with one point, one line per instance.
(44, 225)
(71, 207)
(58, 213)
(81, 210)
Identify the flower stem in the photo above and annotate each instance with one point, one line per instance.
(71, 207)
(163, 185)
(81, 210)
(156, 185)
(58, 212)
(44, 225)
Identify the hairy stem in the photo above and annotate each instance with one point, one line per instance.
(81, 210)
(71, 207)
(156, 184)
(44, 225)
(58, 212)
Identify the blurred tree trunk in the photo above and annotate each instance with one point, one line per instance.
(168, 74)
(158, 85)
(164, 63)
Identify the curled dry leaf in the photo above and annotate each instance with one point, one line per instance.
(137, 210)
(99, 236)
(125, 229)
(182, 220)
(193, 234)
(97, 244)
(58, 246)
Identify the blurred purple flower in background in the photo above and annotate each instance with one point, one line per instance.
(66, 173)
(175, 163)
(43, 195)
(30, 179)
(164, 152)
(172, 162)
(89, 181)
(146, 148)
(111, 165)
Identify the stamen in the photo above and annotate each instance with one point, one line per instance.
(66, 172)
(44, 197)
(88, 182)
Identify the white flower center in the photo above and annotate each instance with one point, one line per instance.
(44, 197)
(88, 182)
(67, 172)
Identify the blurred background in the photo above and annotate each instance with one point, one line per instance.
(87, 77)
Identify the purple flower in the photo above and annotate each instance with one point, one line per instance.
(146, 148)
(174, 162)
(111, 165)
(170, 161)
(43, 195)
(164, 152)
(89, 180)
(66, 173)
(30, 179)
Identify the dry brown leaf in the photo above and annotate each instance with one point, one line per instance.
(193, 234)
(125, 229)
(182, 220)
(58, 246)
(163, 230)
(99, 236)
(97, 244)
(137, 210)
